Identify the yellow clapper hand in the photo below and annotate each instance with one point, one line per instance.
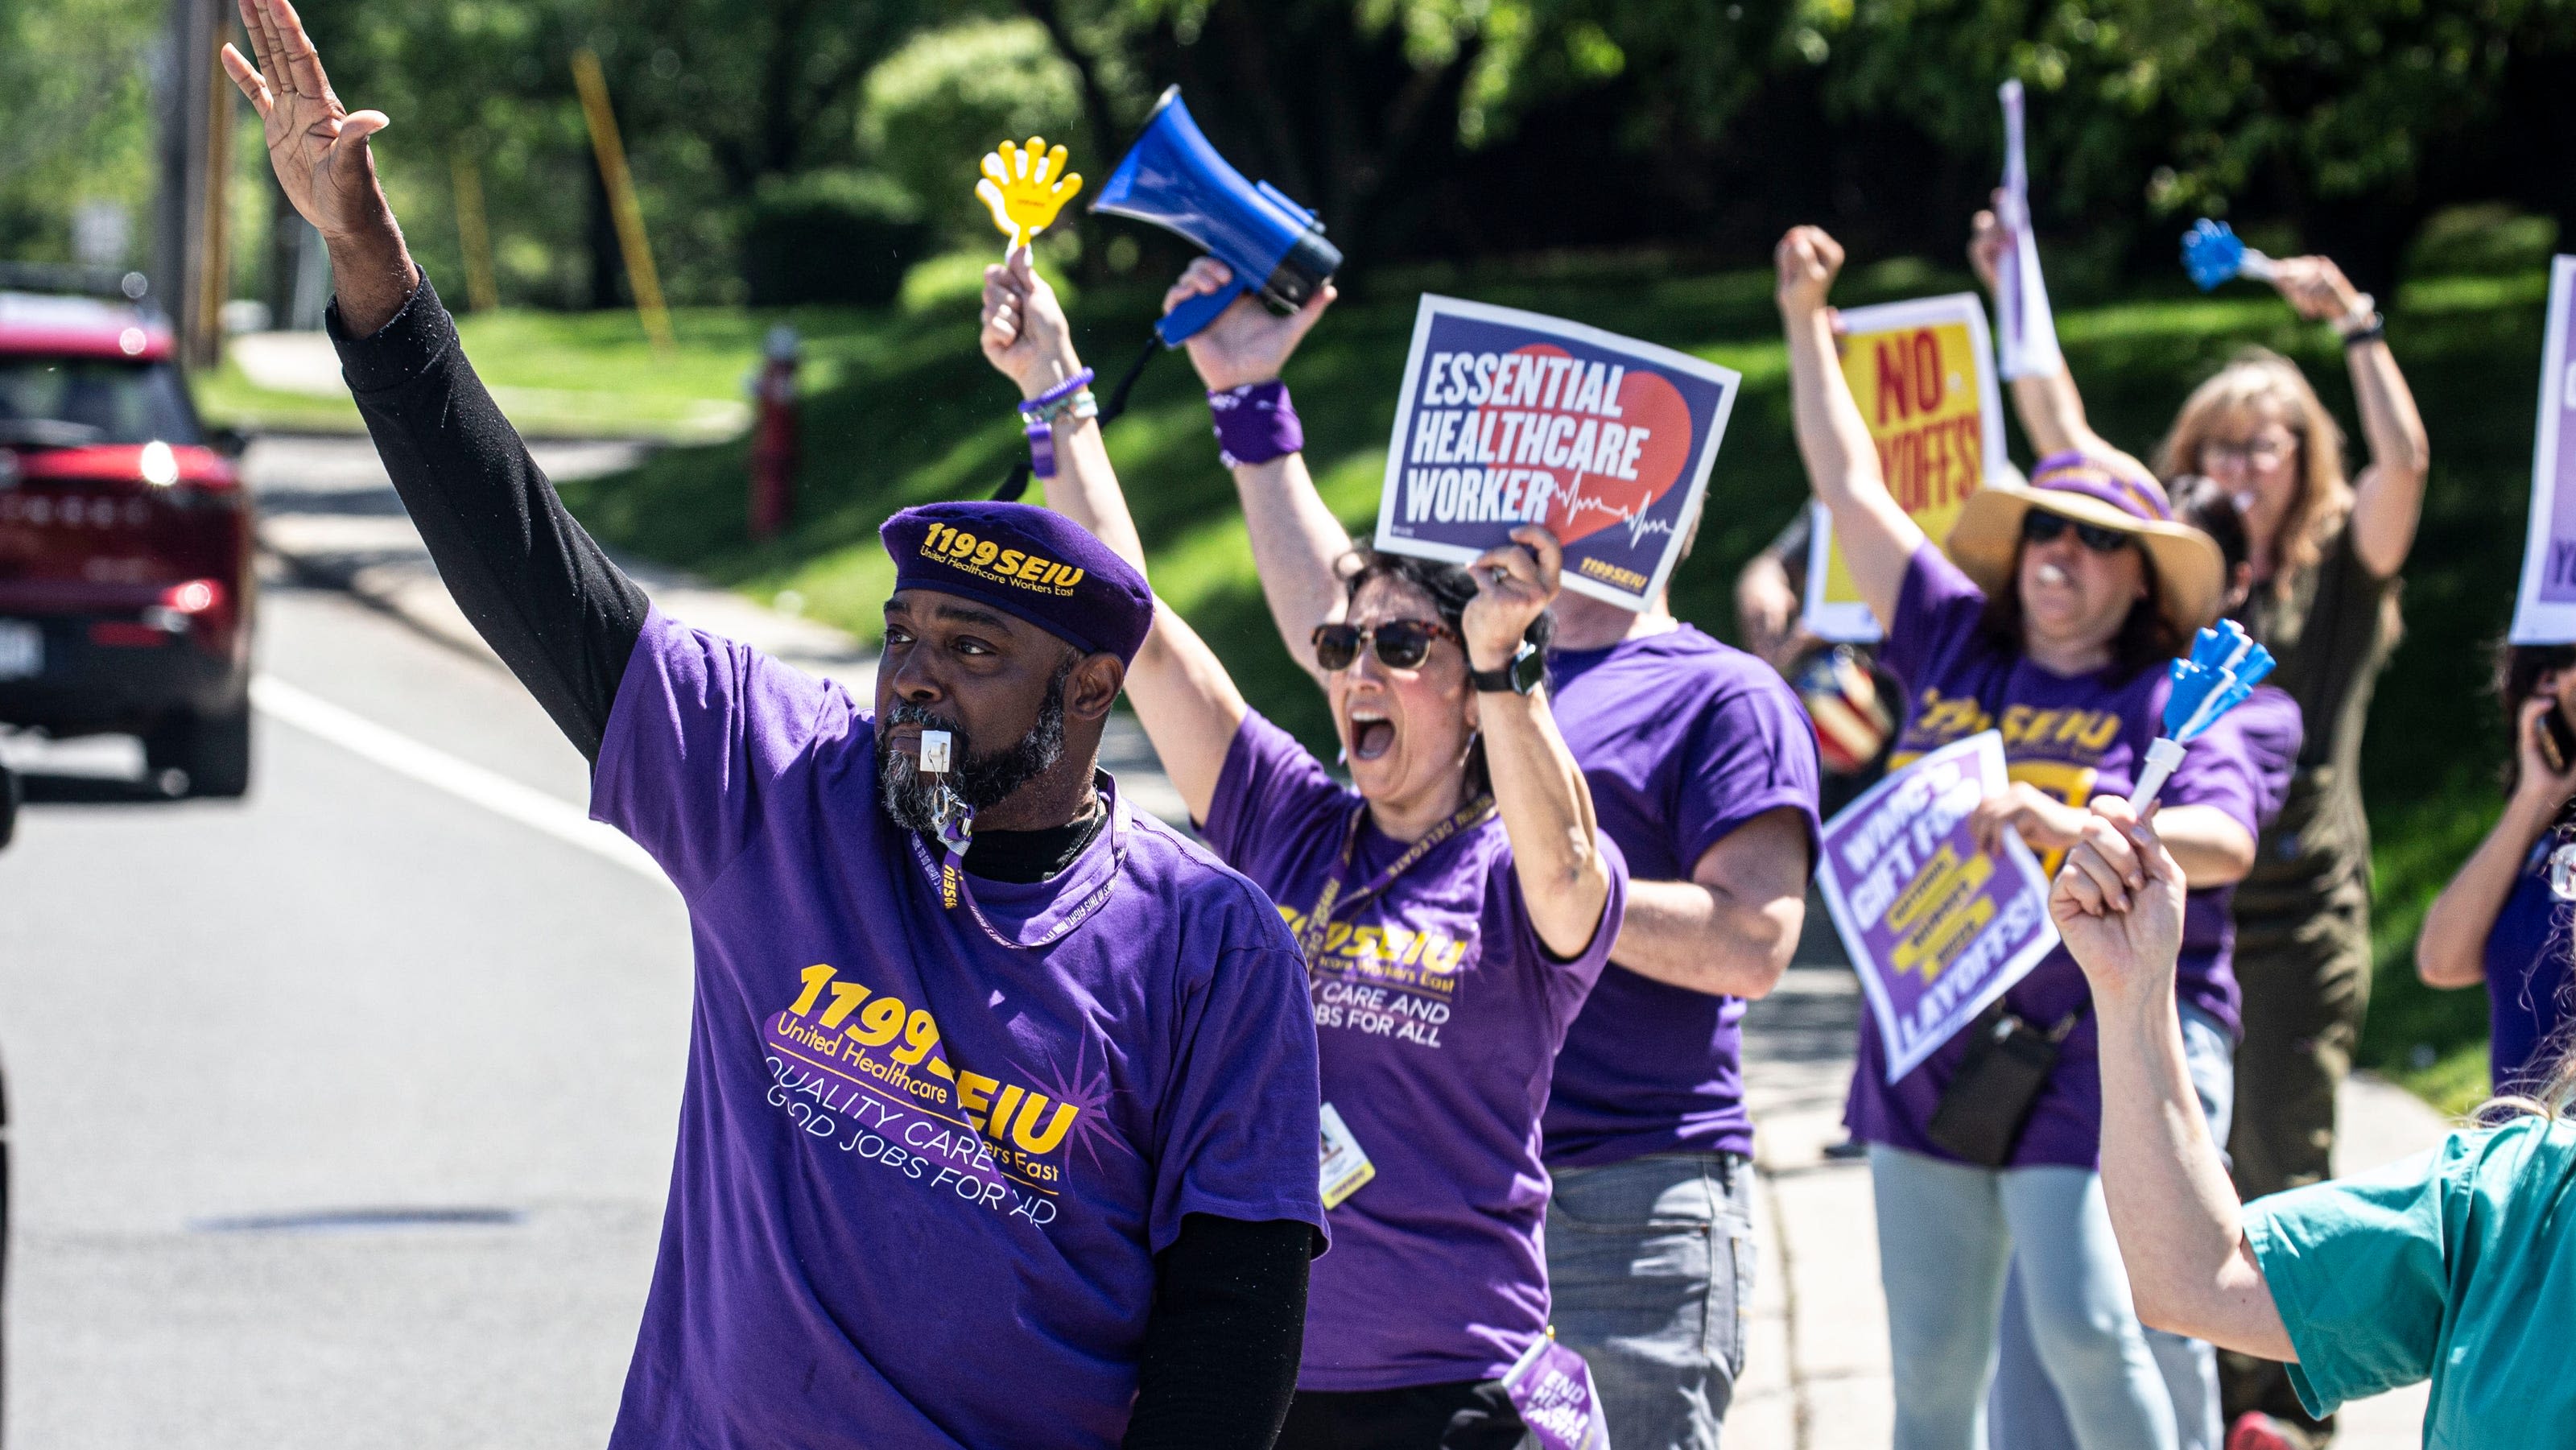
(1025, 186)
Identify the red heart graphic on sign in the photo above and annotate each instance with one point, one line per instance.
(1604, 470)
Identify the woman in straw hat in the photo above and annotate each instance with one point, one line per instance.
(2051, 618)
(2326, 551)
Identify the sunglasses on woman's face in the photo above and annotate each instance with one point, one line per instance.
(2040, 526)
(1402, 644)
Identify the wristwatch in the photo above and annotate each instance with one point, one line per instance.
(1520, 674)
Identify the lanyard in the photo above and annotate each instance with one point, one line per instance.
(1336, 899)
(948, 879)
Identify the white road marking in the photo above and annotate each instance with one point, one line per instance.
(463, 779)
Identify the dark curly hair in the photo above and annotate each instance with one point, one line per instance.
(1449, 587)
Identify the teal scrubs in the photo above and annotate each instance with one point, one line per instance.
(2457, 1266)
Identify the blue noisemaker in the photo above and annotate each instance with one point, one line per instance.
(2212, 253)
(2223, 668)
(1173, 178)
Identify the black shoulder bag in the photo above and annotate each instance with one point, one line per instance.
(1987, 1102)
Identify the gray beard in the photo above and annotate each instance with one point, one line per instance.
(912, 798)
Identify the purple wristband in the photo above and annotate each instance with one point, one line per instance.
(1255, 423)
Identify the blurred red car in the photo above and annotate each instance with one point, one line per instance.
(126, 584)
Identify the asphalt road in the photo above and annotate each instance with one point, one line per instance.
(342, 1115)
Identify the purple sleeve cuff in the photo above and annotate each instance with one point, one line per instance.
(1255, 423)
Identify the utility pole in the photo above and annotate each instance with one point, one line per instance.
(183, 221)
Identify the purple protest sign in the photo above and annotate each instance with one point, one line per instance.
(2545, 613)
(1551, 1386)
(1509, 417)
(1935, 927)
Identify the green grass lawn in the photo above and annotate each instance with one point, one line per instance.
(584, 374)
(905, 411)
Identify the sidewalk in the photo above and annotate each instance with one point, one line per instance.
(330, 515)
(1816, 1375)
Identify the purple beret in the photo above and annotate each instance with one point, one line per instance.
(1027, 561)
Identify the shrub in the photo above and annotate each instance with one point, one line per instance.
(830, 236)
(933, 108)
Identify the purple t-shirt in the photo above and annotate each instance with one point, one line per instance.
(1683, 739)
(2268, 722)
(1437, 1013)
(2527, 978)
(856, 1246)
(2074, 738)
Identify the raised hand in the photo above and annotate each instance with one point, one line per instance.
(1248, 343)
(1808, 259)
(1986, 246)
(2318, 289)
(1024, 187)
(1025, 336)
(2118, 903)
(1515, 583)
(318, 146)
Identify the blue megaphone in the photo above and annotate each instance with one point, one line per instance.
(1173, 178)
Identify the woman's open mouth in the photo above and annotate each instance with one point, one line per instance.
(1372, 734)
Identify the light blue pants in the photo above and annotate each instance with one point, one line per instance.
(1650, 1277)
(2024, 1407)
(1947, 1234)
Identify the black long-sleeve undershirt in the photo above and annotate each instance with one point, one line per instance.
(531, 580)
(1222, 1339)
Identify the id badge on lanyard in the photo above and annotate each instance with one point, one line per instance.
(1336, 900)
(956, 833)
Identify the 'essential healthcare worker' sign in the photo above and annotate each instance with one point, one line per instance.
(1508, 417)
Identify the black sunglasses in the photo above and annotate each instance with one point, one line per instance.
(2039, 526)
(1402, 644)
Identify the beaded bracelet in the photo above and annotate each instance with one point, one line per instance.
(1040, 414)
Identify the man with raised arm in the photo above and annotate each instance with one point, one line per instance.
(1702, 769)
(1001, 1115)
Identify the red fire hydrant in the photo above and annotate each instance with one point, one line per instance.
(773, 441)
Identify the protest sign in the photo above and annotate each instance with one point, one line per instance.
(2545, 611)
(1924, 377)
(1508, 417)
(1551, 1386)
(1936, 928)
(2021, 294)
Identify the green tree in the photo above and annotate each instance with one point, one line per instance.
(934, 107)
(66, 137)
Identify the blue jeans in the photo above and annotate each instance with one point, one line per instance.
(1650, 1278)
(2025, 1408)
(1947, 1232)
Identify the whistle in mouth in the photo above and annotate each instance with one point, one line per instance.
(934, 752)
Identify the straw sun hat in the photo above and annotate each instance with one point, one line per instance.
(2190, 574)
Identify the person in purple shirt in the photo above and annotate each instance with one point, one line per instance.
(1000, 1114)
(1455, 903)
(2068, 598)
(2025, 1412)
(1703, 768)
(2501, 922)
